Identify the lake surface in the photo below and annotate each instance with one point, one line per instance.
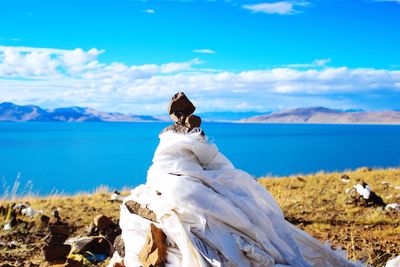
(72, 157)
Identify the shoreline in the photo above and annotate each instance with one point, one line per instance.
(103, 187)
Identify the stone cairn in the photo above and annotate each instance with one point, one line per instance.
(154, 251)
(181, 110)
(55, 249)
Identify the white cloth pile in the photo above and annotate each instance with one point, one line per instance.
(214, 214)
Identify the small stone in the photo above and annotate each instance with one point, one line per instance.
(56, 239)
(52, 253)
(44, 221)
(154, 251)
(192, 121)
(135, 208)
(59, 228)
(55, 215)
(119, 246)
(102, 222)
(180, 103)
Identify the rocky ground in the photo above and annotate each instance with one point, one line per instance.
(315, 203)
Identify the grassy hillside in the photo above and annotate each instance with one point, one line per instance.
(315, 203)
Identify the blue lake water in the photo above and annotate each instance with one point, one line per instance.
(71, 157)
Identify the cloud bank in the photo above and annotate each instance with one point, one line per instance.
(280, 8)
(55, 77)
(204, 51)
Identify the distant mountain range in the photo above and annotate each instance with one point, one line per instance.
(15, 113)
(326, 115)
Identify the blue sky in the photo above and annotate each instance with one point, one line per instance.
(131, 56)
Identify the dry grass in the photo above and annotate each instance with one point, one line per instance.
(315, 203)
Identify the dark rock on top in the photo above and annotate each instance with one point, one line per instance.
(180, 110)
(181, 105)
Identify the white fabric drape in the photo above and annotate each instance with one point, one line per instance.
(214, 214)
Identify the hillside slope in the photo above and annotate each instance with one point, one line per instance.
(16, 113)
(326, 115)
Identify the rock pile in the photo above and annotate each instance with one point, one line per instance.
(181, 111)
(54, 248)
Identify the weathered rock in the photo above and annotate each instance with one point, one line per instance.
(44, 221)
(176, 128)
(58, 233)
(119, 246)
(56, 239)
(192, 121)
(102, 222)
(59, 228)
(55, 216)
(375, 200)
(178, 118)
(59, 252)
(154, 251)
(181, 104)
(144, 212)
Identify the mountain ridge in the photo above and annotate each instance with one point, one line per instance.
(319, 115)
(323, 115)
(11, 112)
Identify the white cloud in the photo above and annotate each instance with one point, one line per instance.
(281, 8)
(149, 11)
(316, 63)
(53, 77)
(204, 51)
(174, 67)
